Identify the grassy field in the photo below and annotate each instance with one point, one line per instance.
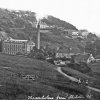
(95, 67)
(93, 78)
(47, 80)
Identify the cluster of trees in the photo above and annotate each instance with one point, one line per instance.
(58, 22)
(0, 46)
(42, 53)
(93, 47)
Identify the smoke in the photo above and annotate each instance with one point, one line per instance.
(40, 16)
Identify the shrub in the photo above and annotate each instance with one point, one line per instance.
(39, 56)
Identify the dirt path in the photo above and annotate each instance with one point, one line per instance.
(95, 89)
(71, 78)
(75, 79)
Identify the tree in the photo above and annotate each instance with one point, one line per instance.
(91, 36)
(0, 46)
(40, 56)
(90, 48)
(81, 48)
(93, 48)
(97, 46)
(79, 39)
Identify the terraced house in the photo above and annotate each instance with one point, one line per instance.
(14, 46)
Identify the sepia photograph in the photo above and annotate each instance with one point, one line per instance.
(49, 50)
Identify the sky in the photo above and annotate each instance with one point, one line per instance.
(84, 14)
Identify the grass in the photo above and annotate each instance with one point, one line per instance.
(48, 82)
(15, 86)
(94, 80)
(96, 73)
(95, 67)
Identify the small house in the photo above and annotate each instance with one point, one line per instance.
(67, 52)
(30, 45)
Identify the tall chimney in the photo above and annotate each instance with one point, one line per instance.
(38, 35)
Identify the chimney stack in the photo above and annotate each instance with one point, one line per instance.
(38, 35)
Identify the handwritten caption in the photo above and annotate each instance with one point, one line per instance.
(67, 97)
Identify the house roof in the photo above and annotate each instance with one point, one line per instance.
(15, 40)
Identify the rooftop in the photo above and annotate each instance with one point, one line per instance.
(15, 40)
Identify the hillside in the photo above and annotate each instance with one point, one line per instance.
(20, 17)
(22, 25)
(23, 19)
(58, 22)
(18, 25)
(46, 80)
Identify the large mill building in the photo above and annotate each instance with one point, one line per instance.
(14, 46)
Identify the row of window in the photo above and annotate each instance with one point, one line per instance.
(12, 48)
(63, 55)
(9, 52)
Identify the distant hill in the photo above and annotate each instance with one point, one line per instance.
(13, 18)
(20, 24)
(58, 22)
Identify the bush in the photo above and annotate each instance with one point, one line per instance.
(19, 53)
(39, 56)
(0, 46)
(82, 67)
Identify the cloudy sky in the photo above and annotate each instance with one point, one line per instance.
(84, 14)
